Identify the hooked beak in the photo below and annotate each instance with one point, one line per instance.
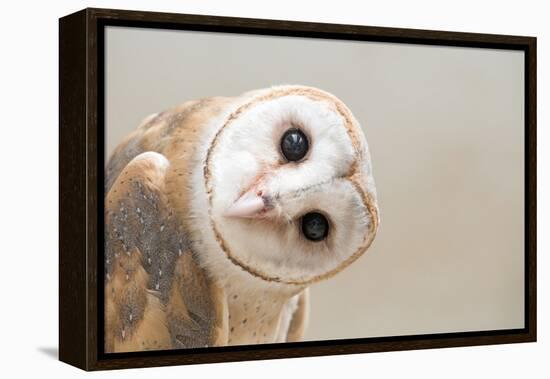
(250, 205)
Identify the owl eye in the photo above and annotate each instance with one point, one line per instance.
(294, 145)
(314, 226)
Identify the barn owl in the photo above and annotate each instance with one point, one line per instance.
(221, 212)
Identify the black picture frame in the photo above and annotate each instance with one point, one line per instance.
(81, 162)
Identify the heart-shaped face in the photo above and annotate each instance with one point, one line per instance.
(289, 186)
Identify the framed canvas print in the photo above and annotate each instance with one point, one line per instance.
(237, 189)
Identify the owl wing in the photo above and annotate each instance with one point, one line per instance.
(156, 294)
(298, 322)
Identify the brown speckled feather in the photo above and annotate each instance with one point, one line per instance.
(156, 296)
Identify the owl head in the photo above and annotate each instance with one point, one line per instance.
(288, 188)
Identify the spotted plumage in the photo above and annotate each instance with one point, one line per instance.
(221, 212)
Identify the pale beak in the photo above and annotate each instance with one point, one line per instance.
(249, 205)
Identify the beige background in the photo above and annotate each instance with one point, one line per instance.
(445, 129)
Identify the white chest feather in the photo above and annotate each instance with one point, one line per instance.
(258, 317)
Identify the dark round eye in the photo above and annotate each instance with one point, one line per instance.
(294, 145)
(314, 226)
